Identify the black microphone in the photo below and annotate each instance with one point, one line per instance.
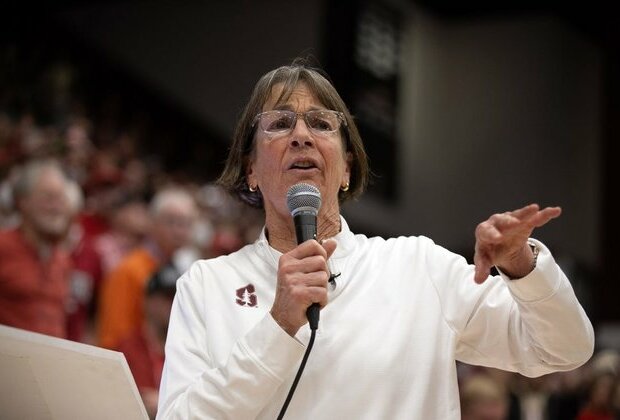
(304, 201)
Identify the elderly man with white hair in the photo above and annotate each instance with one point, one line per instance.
(34, 267)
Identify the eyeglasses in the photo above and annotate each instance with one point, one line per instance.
(321, 122)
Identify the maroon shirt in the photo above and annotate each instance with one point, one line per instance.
(145, 359)
(85, 283)
(33, 291)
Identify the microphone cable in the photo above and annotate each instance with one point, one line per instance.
(313, 320)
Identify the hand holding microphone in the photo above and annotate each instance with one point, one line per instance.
(303, 272)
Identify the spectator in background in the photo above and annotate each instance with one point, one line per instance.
(602, 387)
(227, 224)
(144, 348)
(483, 398)
(531, 396)
(103, 192)
(599, 403)
(566, 393)
(129, 224)
(78, 149)
(173, 213)
(226, 239)
(34, 267)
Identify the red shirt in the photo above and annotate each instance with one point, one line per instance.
(33, 291)
(84, 289)
(589, 414)
(93, 224)
(145, 359)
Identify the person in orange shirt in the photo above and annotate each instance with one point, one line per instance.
(173, 212)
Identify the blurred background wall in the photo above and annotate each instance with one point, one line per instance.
(466, 109)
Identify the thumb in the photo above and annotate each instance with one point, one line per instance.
(329, 245)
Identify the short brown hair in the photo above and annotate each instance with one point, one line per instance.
(233, 176)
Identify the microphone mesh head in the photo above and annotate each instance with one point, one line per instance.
(303, 198)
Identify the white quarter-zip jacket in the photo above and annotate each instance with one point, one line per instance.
(400, 313)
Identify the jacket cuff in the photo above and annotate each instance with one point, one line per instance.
(542, 282)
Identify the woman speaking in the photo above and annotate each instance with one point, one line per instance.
(395, 314)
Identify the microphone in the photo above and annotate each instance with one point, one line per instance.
(304, 201)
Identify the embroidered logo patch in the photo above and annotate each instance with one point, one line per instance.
(246, 296)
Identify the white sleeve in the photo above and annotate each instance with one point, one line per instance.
(534, 325)
(193, 386)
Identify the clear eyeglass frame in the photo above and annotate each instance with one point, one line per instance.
(268, 121)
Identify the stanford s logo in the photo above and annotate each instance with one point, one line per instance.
(246, 296)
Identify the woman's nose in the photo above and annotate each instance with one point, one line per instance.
(301, 136)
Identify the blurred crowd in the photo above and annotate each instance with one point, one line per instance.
(591, 392)
(95, 232)
(93, 239)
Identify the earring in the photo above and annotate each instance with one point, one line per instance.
(345, 187)
(251, 188)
